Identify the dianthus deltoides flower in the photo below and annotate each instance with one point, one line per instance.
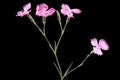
(69, 12)
(26, 10)
(42, 10)
(99, 46)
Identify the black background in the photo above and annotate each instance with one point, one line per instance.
(26, 54)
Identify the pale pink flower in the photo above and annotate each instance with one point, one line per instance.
(26, 10)
(42, 10)
(99, 46)
(69, 12)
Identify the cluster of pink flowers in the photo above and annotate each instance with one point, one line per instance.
(42, 10)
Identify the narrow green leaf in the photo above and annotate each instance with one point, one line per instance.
(68, 69)
(57, 68)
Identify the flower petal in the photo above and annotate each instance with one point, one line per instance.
(63, 12)
(69, 12)
(94, 42)
(42, 10)
(20, 13)
(65, 9)
(51, 11)
(39, 10)
(65, 6)
(97, 51)
(43, 6)
(27, 7)
(76, 11)
(25, 10)
(103, 44)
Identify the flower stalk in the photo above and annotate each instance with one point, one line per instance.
(42, 10)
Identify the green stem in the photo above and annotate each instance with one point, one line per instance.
(45, 38)
(67, 69)
(60, 26)
(59, 41)
(43, 33)
(57, 45)
(44, 23)
(33, 21)
(79, 64)
(57, 68)
(44, 28)
(54, 50)
(49, 44)
(67, 20)
(61, 78)
(62, 32)
(60, 70)
(59, 19)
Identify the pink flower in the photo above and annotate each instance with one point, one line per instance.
(26, 10)
(99, 46)
(69, 12)
(42, 10)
